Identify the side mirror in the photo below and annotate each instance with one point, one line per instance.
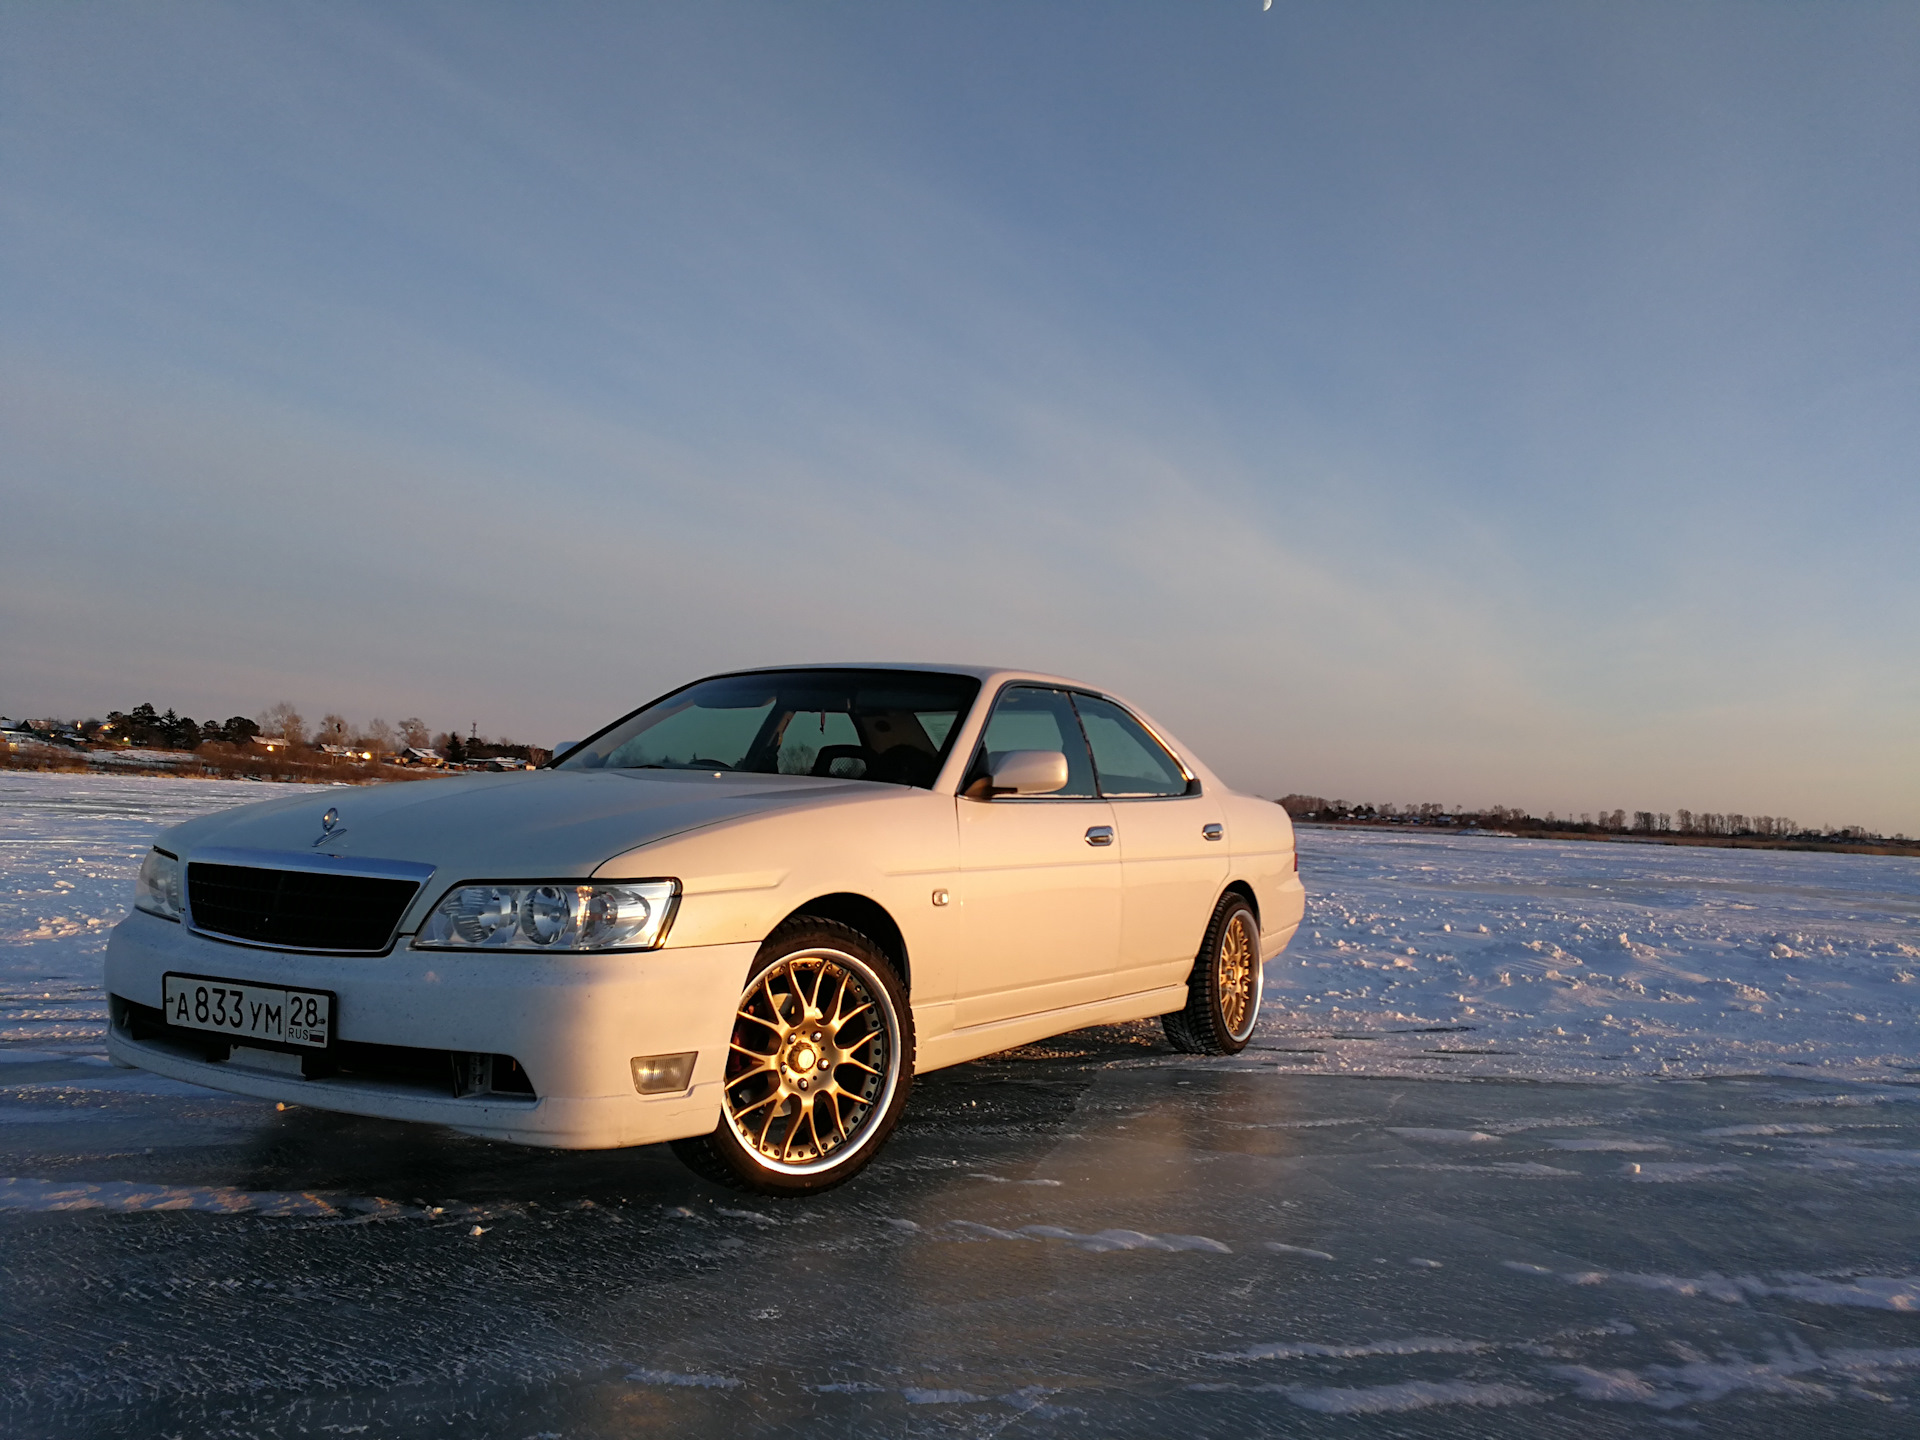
(1027, 772)
(560, 749)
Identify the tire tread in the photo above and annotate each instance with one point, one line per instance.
(1195, 1029)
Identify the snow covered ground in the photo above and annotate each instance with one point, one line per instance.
(1421, 955)
(70, 846)
(1483, 955)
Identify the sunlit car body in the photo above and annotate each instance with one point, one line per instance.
(980, 857)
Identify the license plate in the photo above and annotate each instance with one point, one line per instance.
(249, 1012)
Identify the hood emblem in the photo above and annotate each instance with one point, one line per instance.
(329, 831)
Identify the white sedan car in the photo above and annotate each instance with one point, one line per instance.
(741, 919)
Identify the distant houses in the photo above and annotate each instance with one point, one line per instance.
(146, 739)
(22, 737)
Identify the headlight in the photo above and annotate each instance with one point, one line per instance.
(559, 916)
(157, 891)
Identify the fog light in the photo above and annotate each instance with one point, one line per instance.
(663, 1074)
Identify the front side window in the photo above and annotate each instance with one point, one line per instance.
(1031, 717)
(1128, 760)
(892, 726)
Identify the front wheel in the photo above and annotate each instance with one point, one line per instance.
(818, 1068)
(1223, 992)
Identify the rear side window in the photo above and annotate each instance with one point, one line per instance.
(1030, 717)
(1126, 757)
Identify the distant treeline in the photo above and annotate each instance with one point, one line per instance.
(377, 741)
(1702, 823)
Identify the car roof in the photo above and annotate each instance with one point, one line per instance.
(983, 673)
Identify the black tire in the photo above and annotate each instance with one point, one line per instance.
(788, 1056)
(1223, 991)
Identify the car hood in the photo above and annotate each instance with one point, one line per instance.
(546, 824)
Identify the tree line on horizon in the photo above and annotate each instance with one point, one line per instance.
(1616, 822)
(146, 728)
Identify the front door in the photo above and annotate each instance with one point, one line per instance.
(1040, 875)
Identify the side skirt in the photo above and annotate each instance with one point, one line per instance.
(974, 1041)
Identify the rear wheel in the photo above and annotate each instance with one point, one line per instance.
(818, 1068)
(1223, 992)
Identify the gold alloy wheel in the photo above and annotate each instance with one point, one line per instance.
(1238, 966)
(812, 1061)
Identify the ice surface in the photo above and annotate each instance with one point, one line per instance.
(1655, 1172)
(1095, 1235)
(1601, 1143)
(124, 1196)
(1242, 1272)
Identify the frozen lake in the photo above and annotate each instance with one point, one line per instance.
(1641, 1153)
(1597, 960)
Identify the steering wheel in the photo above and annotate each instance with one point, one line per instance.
(823, 761)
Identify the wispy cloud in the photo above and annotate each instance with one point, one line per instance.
(1456, 411)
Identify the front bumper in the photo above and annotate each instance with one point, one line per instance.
(574, 1023)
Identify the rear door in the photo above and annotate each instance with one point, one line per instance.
(1173, 844)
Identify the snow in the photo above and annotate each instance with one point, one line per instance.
(1452, 955)
(70, 846)
(1410, 1395)
(1897, 1293)
(1413, 1345)
(1421, 955)
(140, 757)
(1665, 1387)
(674, 1377)
(1100, 1242)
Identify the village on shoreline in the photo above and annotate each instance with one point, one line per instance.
(278, 746)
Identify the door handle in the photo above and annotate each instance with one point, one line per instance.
(1213, 832)
(1100, 835)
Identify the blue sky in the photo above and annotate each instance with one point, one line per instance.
(1506, 403)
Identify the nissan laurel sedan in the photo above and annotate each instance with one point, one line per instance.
(741, 919)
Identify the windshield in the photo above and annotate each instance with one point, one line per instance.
(892, 726)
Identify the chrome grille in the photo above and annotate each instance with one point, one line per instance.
(296, 909)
